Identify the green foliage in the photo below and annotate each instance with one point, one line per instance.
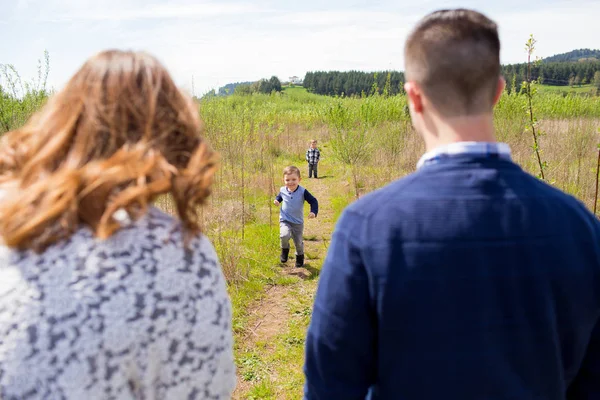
(350, 141)
(354, 83)
(244, 89)
(230, 88)
(530, 91)
(585, 90)
(266, 86)
(387, 89)
(262, 391)
(274, 84)
(563, 70)
(19, 99)
(210, 93)
(556, 74)
(338, 204)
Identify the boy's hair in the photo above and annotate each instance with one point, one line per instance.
(454, 56)
(313, 141)
(291, 170)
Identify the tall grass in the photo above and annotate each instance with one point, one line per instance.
(18, 98)
(258, 134)
(262, 133)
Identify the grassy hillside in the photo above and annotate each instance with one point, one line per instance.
(583, 89)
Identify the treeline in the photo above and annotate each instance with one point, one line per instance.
(261, 86)
(230, 88)
(553, 73)
(354, 83)
(358, 83)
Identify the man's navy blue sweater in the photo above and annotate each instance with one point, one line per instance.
(468, 279)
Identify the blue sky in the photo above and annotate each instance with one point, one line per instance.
(227, 41)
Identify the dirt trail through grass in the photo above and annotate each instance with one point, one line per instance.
(270, 351)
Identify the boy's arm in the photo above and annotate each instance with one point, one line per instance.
(312, 200)
(586, 385)
(318, 155)
(307, 155)
(279, 198)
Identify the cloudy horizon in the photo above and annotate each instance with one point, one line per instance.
(215, 43)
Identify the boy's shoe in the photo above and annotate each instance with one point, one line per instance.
(299, 260)
(284, 255)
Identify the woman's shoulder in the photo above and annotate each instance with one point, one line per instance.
(161, 233)
(151, 248)
(159, 225)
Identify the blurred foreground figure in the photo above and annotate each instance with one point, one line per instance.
(469, 279)
(103, 296)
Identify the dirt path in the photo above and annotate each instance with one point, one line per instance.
(271, 349)
(267, 319)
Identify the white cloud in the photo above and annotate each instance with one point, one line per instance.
(337, 18)
(189, 11)
(128, 10)
(222, 42)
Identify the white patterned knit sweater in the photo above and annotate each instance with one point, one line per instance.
(133, 317)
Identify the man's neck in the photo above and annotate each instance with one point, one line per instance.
(464, 129)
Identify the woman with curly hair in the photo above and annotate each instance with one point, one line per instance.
(103, 296)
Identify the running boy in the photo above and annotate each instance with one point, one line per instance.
(312, 157)
(291, 215)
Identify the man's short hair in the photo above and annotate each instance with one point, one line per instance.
(454, 56)
(291, 170)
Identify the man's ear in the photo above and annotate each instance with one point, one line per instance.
(499, 89)
(415, 96)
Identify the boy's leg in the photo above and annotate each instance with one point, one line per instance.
(315, 170)
(297, 232)
(310, 170)
(285, 233)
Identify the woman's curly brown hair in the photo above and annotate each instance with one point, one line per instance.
(117, 136)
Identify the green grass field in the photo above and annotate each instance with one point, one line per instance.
(583, 89)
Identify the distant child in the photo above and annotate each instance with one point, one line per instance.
(312, 157)
(291, 215)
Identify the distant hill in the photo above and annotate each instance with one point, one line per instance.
(230, 88)
(574, 56)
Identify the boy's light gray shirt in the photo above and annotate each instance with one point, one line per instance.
(292, 207)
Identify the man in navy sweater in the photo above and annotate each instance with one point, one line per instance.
(469, 279)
